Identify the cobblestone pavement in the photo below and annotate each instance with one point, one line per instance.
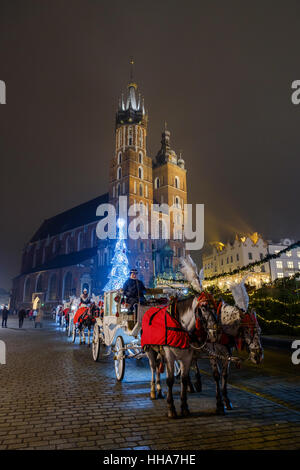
(54, 396)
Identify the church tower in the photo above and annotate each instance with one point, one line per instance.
(131, 172)
(169, 187)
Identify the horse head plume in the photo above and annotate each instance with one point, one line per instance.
(240, 294)
(95, 299)
(190, 272)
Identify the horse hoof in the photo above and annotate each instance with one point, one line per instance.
(198, 387)
(220, 410)
(172, 414)
(153, 395)
(160, 394)
(228, 404)
(185, 413)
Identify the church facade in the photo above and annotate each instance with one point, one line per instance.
(65, 255)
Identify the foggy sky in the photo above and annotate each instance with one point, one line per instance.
(218, 72)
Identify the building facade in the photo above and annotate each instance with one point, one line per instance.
(65, 255)
(243, 250)
(287, 264)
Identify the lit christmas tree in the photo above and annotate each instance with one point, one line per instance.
(120, 270)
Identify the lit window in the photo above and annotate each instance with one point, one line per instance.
(289, 254)
(276, 251)
(290, 264)
(280, 275)
(298, 254)
(279, 265)
(298, 264)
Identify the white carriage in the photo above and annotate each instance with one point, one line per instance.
(119, 331)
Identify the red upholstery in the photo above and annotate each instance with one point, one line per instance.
(160, 328)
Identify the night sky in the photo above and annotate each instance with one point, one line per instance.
(218, 72)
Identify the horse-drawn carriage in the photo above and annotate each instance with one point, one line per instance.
(119, 331)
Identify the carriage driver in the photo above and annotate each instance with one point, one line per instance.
(85, 299)
(134, 290)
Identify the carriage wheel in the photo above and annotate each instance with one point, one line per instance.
(176, 369)
(74, 334)
(119, 358)
(96, 343)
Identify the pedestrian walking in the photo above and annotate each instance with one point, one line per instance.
(39, 319)
(21, 315)
(34, 315)
(4, 317)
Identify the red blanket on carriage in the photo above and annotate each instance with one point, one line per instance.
(160, 328)
(79, 312)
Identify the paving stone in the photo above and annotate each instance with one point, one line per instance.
(70, 402)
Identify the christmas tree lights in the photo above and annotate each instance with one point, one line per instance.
(120, 270)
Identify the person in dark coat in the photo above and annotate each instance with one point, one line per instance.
(134, 290)
(21, 315)
(4, 317)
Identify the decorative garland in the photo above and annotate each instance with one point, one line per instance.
(255, 263)
(277, 321)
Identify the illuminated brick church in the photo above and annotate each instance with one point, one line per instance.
(65, 255)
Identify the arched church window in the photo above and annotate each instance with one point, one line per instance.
(118, 190)
(119, 173)
(157, 182)
(141, 189)
(130, 138)
(140, 172)
(119, 158)
(177, 202)
(68, 245)
(141, 137)
(80, 241)
(177, 182)
(39, 284)
(67, 291)
(52, 287)
(26, 295)
(140, 157)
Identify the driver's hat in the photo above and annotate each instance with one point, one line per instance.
(133, 271)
